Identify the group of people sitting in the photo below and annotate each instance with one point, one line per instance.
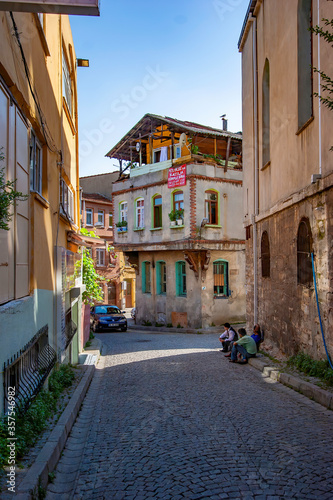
(242, 345)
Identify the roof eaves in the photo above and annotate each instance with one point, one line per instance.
(250, 10)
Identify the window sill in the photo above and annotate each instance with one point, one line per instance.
(213, 225)
(38, 197)
(181, 296)
(221, 297)
(156, 228)
(139, 229)
(303, 127)
(177, 227)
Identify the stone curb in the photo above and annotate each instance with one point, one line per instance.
(324, 398)
(47, 459)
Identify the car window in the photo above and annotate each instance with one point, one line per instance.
(107, 310)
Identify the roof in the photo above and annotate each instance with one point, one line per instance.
(95, 197)
(149, 122)
(250, 10)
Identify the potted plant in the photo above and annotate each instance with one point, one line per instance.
(179, 217)
(172, 217)
(122, 225)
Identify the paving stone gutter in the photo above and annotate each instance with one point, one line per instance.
(46, 461)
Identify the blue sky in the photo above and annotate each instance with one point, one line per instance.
(176, 58)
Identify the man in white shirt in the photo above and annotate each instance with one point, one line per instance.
(227, 337)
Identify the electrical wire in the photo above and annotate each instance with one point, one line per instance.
(318, 308)
(46, 132)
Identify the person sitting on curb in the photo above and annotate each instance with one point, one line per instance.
(257, 336)
(227, 337)
(246, 346)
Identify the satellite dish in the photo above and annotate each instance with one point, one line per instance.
(137, 146)
(182, 139)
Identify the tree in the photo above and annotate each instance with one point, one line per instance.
(327, 83)
(90, 277)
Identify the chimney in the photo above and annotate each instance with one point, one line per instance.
(224, 123)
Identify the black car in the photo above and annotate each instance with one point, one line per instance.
(105, 317)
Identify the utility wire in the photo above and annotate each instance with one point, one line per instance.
(46, 132)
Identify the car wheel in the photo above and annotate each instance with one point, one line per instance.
(123, 328)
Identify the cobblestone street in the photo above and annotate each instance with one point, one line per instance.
(168, 417)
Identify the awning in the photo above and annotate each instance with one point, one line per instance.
(85, 241)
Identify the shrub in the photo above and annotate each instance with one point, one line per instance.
(311, 367)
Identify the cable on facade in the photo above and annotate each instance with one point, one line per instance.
(46, 133)
(318, 308)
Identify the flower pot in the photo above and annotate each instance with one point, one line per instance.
(172, 223)
(179, 222)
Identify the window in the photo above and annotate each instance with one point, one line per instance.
(110, 219)
(178, 200)
(265, 115)
(220, 271)
(181, 279)
(304, 249)
(146, 280)
(157, 211)
(123, 211)
(211, 207)
(160, 278)
(304, 62)
(89, 216)
(178, 151)
(157, 156)
(36, 167)
(100, 257)
(140, 213)
(265, 256)
(67, 83)
(66, 200)
(100, 218)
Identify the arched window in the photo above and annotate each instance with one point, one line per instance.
(140, 213)
(304, 249)
(265, 256)
(146, 277)
(181, 279)
(221, 279)
(160, 277)
(157, 211)
(178, 200)
(211, 206)
(304, 61)
(265, 115)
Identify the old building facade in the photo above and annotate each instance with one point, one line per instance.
(177, 216)
(40, 267)
(288, 174)
(118, 286)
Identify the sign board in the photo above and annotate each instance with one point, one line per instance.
(73, 7)
(177, 176)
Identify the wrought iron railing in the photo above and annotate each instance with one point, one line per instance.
(28, 369)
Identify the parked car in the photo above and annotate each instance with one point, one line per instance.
(105, 316)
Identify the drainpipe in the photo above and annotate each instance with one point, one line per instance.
(256, 168)
(319, 93)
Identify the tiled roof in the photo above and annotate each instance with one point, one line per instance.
(95, 197)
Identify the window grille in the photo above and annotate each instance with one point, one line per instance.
(265, 256)
(28, 369)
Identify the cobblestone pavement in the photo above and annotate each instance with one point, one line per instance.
(168, 417)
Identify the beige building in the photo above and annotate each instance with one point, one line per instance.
(178, 218)
(40, 268)
(288, 173)
(118, 286)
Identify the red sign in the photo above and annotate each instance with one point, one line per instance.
(177, 176)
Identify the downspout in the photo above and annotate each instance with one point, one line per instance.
(319, 95)
(256, 168)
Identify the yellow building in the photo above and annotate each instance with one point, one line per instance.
(40, 284)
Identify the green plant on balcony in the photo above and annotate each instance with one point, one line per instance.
(122, 223)
(172, 215)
